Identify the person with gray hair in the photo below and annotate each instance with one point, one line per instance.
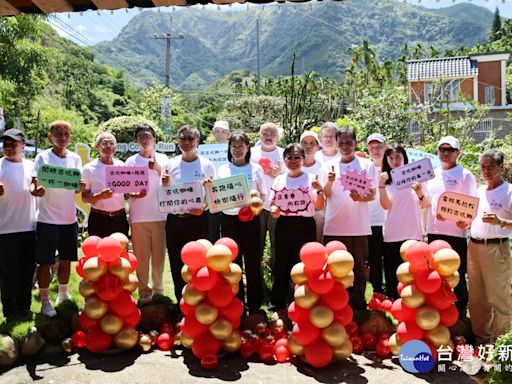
(107, 208)
(329, 149)
(489, 258)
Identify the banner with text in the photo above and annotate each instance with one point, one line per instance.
(415, 155)
(408, 174)
(227, 193)
(180, 198)
(126, 179)
(292, 201)
(51, 176)
(216, 153)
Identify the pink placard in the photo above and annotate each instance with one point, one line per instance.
(351, 180)
(457, 206)
(127, 179)
(292, 201)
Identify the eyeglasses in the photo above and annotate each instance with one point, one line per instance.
(293, 158)
(187, 138)
(447, 150)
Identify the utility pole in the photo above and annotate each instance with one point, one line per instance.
(258, 54)
(168, 37)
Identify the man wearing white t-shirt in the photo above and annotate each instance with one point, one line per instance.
(454, 178)
(328, 143)
(57, 228)
(270, 157)
(346, 215)
(17, 228)
(489, 258)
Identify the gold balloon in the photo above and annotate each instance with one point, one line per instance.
(298, 274)
(453, 280)
(221, 329)
(294, 347)
(131, 284)
(343, 351)
(94, 269)
(438, 336)
(86, 288)
(395, 344)
(186, 341)
(235, 288)
(95, 308)
(121, 237)
(404, 247)
(186, 273)
(412, 296)
(233, 342)
(256, 205)
(126, 338)
(255, 193)
(427, 318)
(233, 274)
(145, 343)
(348, 280)
(321, 316)
(205, 243)
(335, 335)
(340, 263)
(192, 296)
(120, 268)
(305, 297)
(111, 324)
(153, 335)
(206, 313)
(218, 257)
(446, 261)
(404, 274)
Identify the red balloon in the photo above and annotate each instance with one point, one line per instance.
(401, 312)
(247, 349)
(436, 245)
(296, 313)
(313, 255)
(352, 329)
(90, 246)
(357, 344)
(108, 287)
(165, 341)
(221, 294)
(428, 281)
(109, 249)
(399, 287)
(336, 298)
(382, 348)
(97, 340)
(442, 298)
(305, 333)
(369, 341)
(419, 254)
(266, 351)
(233, 310)
(133, 318)
(245, 214)
(79, 339)
(281, 353)
(132, 259)
(86, 322)
(123, 304)
(209, 361)
(318, 353)
(205, 344)
(193, 328)
(194, 255)
(320, 281)
(186, 309)
(231, 244)
(360, 154)
(167, 327)
(409, 330)
(344, 315)
(282, 342)
(265, 163)
(449, 316)
(235, 323)
(433, 349)
(204, 278)
(386, 305)
(80, 267)
(335, 245)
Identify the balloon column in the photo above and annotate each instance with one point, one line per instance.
(426, 308)
(110, 313)
(212, 312)
(320, 310)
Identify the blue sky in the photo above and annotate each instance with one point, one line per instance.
(92, 27)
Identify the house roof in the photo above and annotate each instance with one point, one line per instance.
(14, 7)
(446, 68)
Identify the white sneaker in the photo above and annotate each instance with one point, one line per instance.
(62, 297)
(47, 309)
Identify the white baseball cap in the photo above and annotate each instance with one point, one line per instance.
(309, 134)
(221, 124)
(450, 140)
(376, 137)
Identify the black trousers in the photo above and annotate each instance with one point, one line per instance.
(214, 227)
(103, 225)
(178, 232)
(358, 247)
(460, 245)
(392, 261)
(247, 236)
(292, 232)
(17, 265)
(375, 258)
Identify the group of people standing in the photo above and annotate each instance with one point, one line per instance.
(36, 223)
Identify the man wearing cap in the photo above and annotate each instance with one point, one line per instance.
(376, 143)
(489, 258)
(17, 228)
(454, 178)
(328, 141)
(221, 131)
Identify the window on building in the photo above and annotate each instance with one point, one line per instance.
(489, 95)
(454, 89)
(441, 92)
(428, 91)
(484, 126)
(414, 128)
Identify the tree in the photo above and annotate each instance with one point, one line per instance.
(495, 32)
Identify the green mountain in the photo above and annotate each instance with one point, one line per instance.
(217, 43)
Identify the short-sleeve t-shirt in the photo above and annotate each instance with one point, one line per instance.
(94, 175)
(274, 156)
(252, 171)
(377, 213)
(57, 206)
(303, 194)
(17, 205)
(498, 201)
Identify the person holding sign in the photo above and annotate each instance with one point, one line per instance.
(489, 258)
(17, 228)
(295, 197)
(147, 222)
(451, 177)
(107, 208)
(246, 234)
(57, 228)
(192, 225)
(346, 215)
(404, 214)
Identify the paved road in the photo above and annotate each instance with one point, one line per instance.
(157, 367)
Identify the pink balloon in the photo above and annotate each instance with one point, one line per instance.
(109, 249)
(428, 281)
(194, 255)
(132, 259)
(281, 353)
(204, 278)
(90, 246)
(335, 245)
(436, 245)
(231, 244)
(313, 255)
(419, 254)
(320, 281)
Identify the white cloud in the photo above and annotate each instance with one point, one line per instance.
(100, 29)
(80, 28)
